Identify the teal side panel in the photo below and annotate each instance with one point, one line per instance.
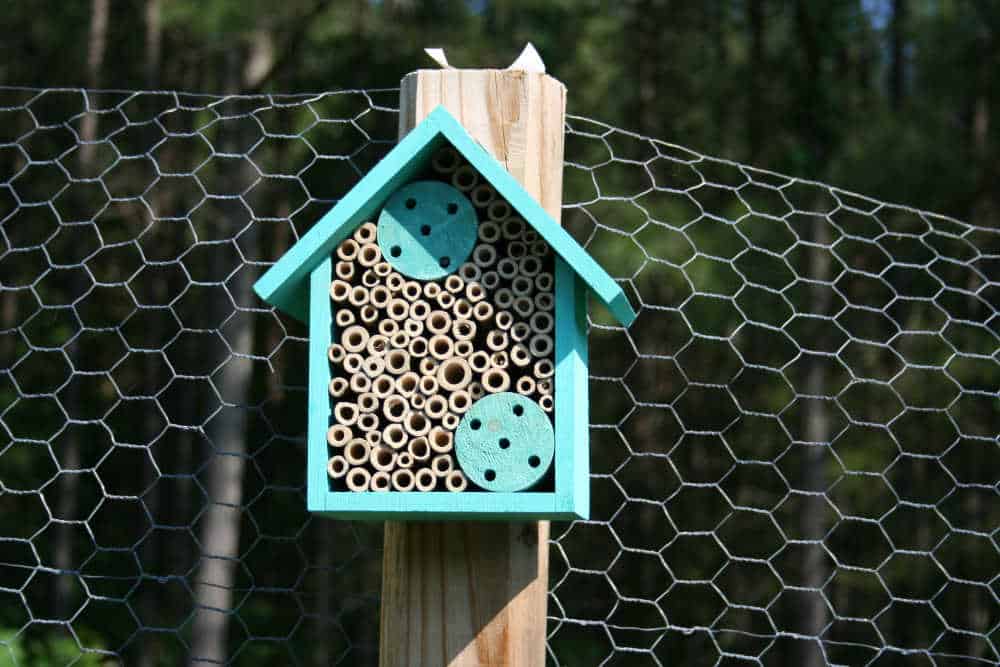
(571, 394)
(320, 333)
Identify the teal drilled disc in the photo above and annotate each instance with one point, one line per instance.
(427, 230)
(505, 442)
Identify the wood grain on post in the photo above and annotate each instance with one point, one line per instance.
(468, 593)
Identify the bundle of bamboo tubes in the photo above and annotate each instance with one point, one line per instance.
(410, 358)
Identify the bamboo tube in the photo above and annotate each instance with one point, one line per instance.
(517, 250)
(497, 340)
(400, 340)
(541, 345)
(381, 482)
(529, 266)
(347, 251)
(399, 309)
(417, 401)
(504, 320)
(525, 385)
(441, 441)
(338, 386)
(369, 314)
(420, 309)
(431, 290)
(482, 311)
(412, 290)
(344, 319)
(459, 401)
(435, 406)
(335, 353)
(404, 460)
(446, 160)
(454, 375)
(520, 332)
(382, 269)
(463, 348)
(367, 421)
(406, 384)
(512, 228)
(379, 296)
(456, 481)
(482, 195)
(369, 255)
(425, 480)
(357, 452)
(483, 256)
(542, 323)
(476, 390)
(462, 309)
(544, 387)
(507, 268)
(442, 464)
(394, 282)
(539, 248)
(489, 231)
(358, 480)
(545, 301)
(339, 291)
(503, 298)
(338, 435)
(365, 233)
(388, 327)
(374, 438)
(419, 449)
(522, 286)
(416, 424)
(546, 402)
(469, 272)
(475, 292)
(395, 408)
(499, 359)
(441, 347)
(402, 480)
(519, 355)
(394, 436)
(413, 327)
(355, 338)
(438, 322)
(368, 402)
(544, 369)
(465, 178)
(479, 361)
(445, 300)
(397, 362)
(344, 270)
(358, 296)
(428, 385)
(373, 366)
(454, 284)
(490, 279)
(382, 457)
(352, 363)
(377, 345)
(544, 281)
(417, 347)
(529, 236)
(496, 380)
(428, 366)
(450, 421)
(524, 306)
(497, 211)
(382, 386)
(336, 467)
(360, 383)
(369, 278)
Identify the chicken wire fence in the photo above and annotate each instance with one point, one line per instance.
(794, 447)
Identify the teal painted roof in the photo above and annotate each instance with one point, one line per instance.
(285, 285)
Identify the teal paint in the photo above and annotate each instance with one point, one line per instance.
(283, 285)
(504, 442)
(427, 229)
(320, 334)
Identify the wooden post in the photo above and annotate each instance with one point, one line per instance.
(463, 593)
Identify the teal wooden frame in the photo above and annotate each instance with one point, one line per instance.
(570, 498)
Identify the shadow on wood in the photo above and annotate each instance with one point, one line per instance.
(463, 594)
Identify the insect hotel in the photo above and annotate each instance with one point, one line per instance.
(447, 341)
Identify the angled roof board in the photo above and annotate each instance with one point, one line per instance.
(285, 285)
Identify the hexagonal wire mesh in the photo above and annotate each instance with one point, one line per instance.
(795, 446)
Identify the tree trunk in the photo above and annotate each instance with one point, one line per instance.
(755, 114)
(897, 57)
